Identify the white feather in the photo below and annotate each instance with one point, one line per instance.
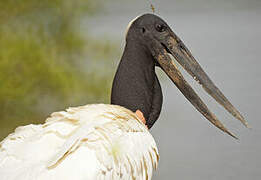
(88, 142)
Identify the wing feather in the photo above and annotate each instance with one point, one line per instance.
(88, 142)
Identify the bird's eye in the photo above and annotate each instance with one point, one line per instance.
(160, 28)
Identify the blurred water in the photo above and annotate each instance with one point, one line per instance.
(225, 38)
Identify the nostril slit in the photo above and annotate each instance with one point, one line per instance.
(143, 30)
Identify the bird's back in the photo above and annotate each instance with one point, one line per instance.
(89, 142)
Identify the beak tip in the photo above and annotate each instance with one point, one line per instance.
(233, 135)
(248, 126)
(244, 122)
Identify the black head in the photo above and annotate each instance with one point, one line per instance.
(147, 23)
(150, 42)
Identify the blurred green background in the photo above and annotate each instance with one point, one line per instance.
(46, 64)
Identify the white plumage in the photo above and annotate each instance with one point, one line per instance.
(84, 143)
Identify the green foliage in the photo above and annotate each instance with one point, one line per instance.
(45, 64)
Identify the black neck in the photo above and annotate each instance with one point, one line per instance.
(136, 85)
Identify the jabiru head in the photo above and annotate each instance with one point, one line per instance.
(150, 42)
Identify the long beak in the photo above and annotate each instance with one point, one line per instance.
(178, 50)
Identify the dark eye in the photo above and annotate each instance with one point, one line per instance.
(160, 28)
